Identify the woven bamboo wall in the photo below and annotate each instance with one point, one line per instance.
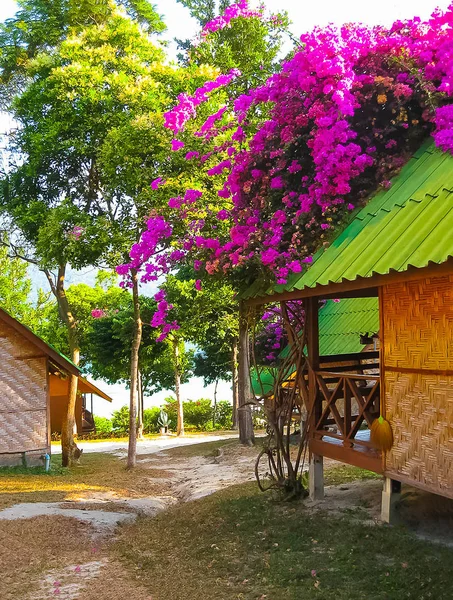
(418, 368)
(23, 395)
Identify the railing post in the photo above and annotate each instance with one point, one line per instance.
(347, 411)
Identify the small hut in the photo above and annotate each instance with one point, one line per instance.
(33, 393)
(398, 249)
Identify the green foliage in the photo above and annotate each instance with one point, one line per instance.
(15, 287)
(205, 10)
(105, 342)
(120, 420)
(262, 40)
(197, 413)
(151, 420)
(103, 425)
(259, 417)
(109, 342)
(224, 415)
(208, 319)
(89, 136)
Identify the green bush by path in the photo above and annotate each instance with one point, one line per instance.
(103, 425)
(198, 416)
(224, 415)
(150, 420)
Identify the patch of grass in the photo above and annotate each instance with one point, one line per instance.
(98, 472)
(206, 449)
(20, 470)
(238, 543)
(341, 474)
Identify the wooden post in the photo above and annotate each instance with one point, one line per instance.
(316, 477)
(390, 497)
(316, 469)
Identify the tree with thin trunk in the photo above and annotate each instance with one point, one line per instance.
(177, 368)
(76, 190)
(132, 448)
(235, 381)
(246, 434)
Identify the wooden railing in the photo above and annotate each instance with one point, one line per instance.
(346, 400)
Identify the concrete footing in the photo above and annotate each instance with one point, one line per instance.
(316, 477)
(391, 494)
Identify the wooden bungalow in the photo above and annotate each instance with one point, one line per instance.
(398, 249)
(33, 393)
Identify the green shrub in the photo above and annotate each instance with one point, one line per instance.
(150, 418)
(170, 406)
(198, 413)
(120, 421)
(259, 417)
(103, 425)
(224, 415)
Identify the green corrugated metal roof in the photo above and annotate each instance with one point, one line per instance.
(408, 225)
(341, 323)
(340, 326)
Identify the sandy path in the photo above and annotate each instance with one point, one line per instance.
(148, 446)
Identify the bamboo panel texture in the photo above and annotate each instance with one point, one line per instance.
(418, 367)
(23, 395)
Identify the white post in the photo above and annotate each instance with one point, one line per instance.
(316, 477)
(390, 496)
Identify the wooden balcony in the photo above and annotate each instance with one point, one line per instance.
(347, 400)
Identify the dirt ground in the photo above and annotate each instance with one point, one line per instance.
(62, 550)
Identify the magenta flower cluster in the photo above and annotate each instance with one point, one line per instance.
(235, 11)
(160, 317)
(186, 108)
(346, 112)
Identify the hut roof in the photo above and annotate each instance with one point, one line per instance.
(407, 226)
(56, 357)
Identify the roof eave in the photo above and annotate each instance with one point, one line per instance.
(57, 358)
(359, 287)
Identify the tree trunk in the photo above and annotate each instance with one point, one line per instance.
(214, 413)
(140, 407)
(234, 371)
(132, 448)
(246, 434)
(177, 367)
(70, 453)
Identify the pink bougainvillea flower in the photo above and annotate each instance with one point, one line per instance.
(312, 159)
(198, 284)
(176, 145)
(157, 183)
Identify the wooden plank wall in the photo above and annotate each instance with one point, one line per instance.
(418, 381)
(24, 418)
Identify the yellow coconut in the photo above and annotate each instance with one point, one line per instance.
(381, 434)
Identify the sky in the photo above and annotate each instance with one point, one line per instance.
(304, 16)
